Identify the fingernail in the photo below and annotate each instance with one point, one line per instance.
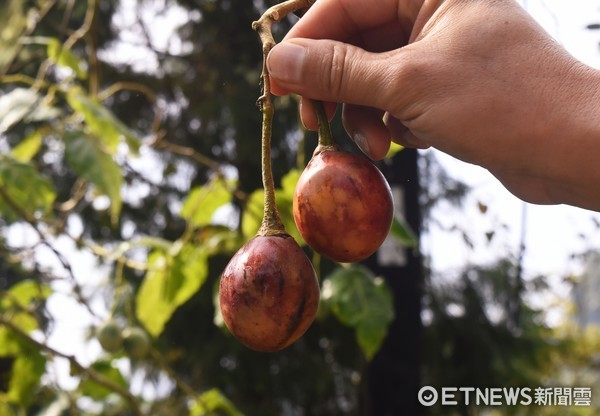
(362, 143)
(285, 62)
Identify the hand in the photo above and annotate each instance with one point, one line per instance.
(478, 79)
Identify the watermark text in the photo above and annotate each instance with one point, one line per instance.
(506, 396)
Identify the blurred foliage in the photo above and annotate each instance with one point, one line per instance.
(129, 175)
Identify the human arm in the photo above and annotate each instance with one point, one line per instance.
(478, 79)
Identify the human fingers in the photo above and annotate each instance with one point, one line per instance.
(352, 27)
(401, 134)
(333, 71)
(380, 39)
(343, 19)
(365, 126)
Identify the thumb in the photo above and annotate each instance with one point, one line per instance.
(330, 71)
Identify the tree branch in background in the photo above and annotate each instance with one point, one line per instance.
(33, 22)
(33, 222)
(200, 158)
(143, 89)
(81, 369)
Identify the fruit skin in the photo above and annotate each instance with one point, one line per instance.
(269, 293)
(109, 336)
(343, 205)
(136, 343)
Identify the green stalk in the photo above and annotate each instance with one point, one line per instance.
(325, 137)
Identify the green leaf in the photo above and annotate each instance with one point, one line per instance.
(17, 299)
(7, 409)
(285, 202)
(202, 201)
(27, 370)
(289, 181)
(218, 320)
(149, 241)
(64, 57)
(101, 121)
(24, 321)
(17, 180)
(24, 293)
(9, 343)
(284, 196)
(253, 213)
(94, 390)
(362, 301)
(88, 159)
(28, 147)
(212, 401)
(219, 239)
(402, 232)
(170, 282)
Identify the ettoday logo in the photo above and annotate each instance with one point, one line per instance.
(508, 396)
(428, 396)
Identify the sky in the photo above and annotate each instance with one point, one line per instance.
(551, 233)
(567, 21)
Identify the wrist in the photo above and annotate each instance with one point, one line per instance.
(571, 165)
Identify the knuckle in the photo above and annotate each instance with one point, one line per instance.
(409, 75)
(340, 64)
(407, 70)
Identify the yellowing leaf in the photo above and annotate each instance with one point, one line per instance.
(15, 301)
(25, 292)
(212, 402)
(64, 57)
(169, 283)
(253, 214)
(394, 148)
(289, 181)
(28, 147)
(203, 201)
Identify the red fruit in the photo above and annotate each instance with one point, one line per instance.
(342, 205)
(269, 293)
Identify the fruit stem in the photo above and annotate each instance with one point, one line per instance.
(325, 137)
(271, 223)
